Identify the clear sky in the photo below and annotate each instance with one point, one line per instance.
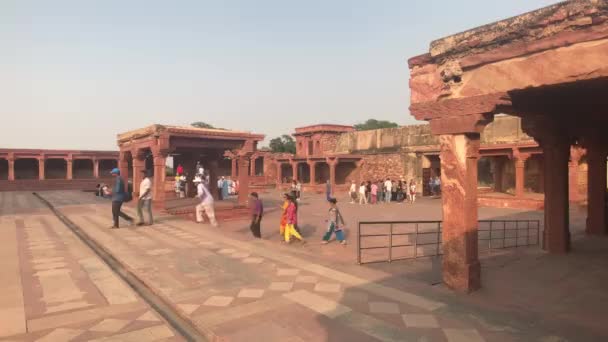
(75, 73)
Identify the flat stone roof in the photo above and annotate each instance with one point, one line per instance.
(157, 129)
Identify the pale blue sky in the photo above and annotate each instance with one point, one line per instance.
(75, 73)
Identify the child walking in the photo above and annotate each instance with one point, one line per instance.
(335, 223)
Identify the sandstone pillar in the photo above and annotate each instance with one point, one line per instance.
(96, 168)
(233, 173)
(213, 178)
(332, 173)
(573, 173)
(158, 184)
(597, 223)
(294, 170)
(11, 169)
(252, 167)
(123, 166)
(69, 168)
(459, 156)
(139, 165)
(520, 174)
(556, 152)
(41, 175)
(243, 180)
(498, 164)
(312, 174)
(279, 174)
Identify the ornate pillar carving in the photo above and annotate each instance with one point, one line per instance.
(519, 160)
(69, 167)
(243, 179)
(597, 220)
(11, 168)
(41, 163)
(95, 168)
(459, 155)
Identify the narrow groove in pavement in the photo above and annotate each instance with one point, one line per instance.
(179, 322)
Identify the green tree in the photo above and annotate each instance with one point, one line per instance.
(283, 144)
(375, 124)
(200, 124)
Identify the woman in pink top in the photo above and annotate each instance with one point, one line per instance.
(292, 220)
(374, 193)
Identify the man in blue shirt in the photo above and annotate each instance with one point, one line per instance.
(119, 195)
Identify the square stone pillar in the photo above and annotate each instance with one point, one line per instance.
(573, 173)
(294, 170)
(556, 237)
(498, 164)
(279, 174)
(123, 166)
(158, 184)
(96, 168)
(234, 169)
(243, 180)
(597, 223)
(520, 174)
(41, 175)
(213, 178)
(252, 167)
(332, 173)
(459, 156)
(11, 169)
(69, 168)
(139, 165)
(312, 166)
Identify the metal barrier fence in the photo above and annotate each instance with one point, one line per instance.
(415, 239)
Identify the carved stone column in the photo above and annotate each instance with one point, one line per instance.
(243, 180)
(294, 170)
(312, 174)
(69, 167)
(41, 162)
(459, 156)
(11, 168)
(519, 160)
(576, 153)
(279, 174)
(332, 172)
(556, 236)
(158, 185)
(234, 168)
(252, 167)
(139, 165)
(96, 168)
(597, 221)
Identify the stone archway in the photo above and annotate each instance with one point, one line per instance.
(3, 169)
(82, 169)
(303, 173)
(345, 172)
(321, 172)
(286, 173)
(26, 168)
(55, 168)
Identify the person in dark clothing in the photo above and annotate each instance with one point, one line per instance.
(119, 196)
(328, 190)
(257, 211)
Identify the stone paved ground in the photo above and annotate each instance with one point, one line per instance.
(53, 288)
(242, 289)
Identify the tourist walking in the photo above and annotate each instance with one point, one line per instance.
(206, 203)
(413, 190)
(368, 191)
(145, 199)
(292, 221)
(362, 193)
(283, 221)
(119, 196)
(388, 190)
(335, 223)
(353, 192)
(257, 210)
(180, 169)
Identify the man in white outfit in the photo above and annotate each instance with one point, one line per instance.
(206, 204)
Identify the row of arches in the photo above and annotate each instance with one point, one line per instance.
(344, 172)
(54, 168)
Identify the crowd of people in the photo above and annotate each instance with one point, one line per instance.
(383, 191)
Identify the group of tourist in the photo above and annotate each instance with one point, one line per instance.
(435, 186)
(383, 191)
(227, 187)
(121, 194)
